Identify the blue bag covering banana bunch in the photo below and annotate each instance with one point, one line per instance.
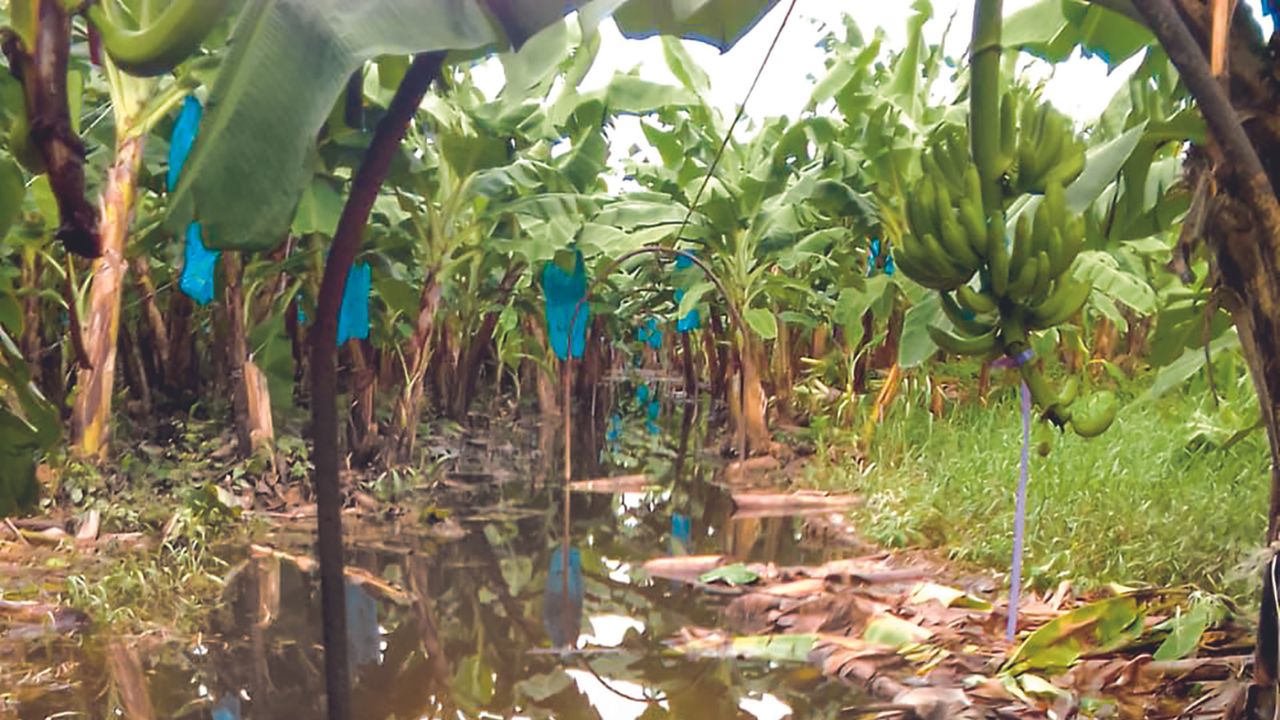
(1023, 284)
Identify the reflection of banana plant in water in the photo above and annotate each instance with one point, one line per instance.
(562, 601)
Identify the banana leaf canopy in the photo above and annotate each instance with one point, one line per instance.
(721, 23)
(289, 61)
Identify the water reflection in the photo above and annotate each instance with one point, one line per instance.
(507, 621)
(562, 603)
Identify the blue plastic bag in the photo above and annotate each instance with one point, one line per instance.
(691, 320)
(199, 262)
(353, 315)
(650, 334)
(561, 292)
(198, 266)
(184, 136)
(561, 613)
(879, 258)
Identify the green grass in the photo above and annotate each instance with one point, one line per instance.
(1139, 504)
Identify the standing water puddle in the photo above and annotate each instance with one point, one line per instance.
(464, 625)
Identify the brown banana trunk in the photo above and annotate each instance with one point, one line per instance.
(759, 439)
(156, 335)
(91, 414)
(717, 357)
(181, 372)
(408, 409)
(249, 396)
(362, 423)
(1244, 238)
(478, 349)
(821, 335)
(548, 391)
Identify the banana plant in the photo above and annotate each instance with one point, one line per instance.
(766, 211)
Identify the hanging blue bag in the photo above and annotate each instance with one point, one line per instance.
(198, 265)
(561, 292)
(199, 262)
(183, 138)
(691, 320)
(353, 315)
(650, 334)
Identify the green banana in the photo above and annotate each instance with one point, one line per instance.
(909, 264)
(913, 258)
(1097, 415)
(1049, 147)
(1070, 162)
(1055, 202)
(929, 205)
(997, 255)
(975, 230)
(1040, 288)
(1058, 261)
(979, 303)
(973, 185)
(917, 220)
(1008, 132)
(955, 241)
(932, 253)
(1022, 248)
(1063, 303)
(952, 343)
(967, 325)
(1070, 389)
(159, 47)
(1073, 239)
(1040, 227)
(1041, 392)
(1021, 287)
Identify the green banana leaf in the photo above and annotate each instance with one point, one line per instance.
(285, 67)
(721, 23)
(29, 426)
(288, 62)
(1051, 29)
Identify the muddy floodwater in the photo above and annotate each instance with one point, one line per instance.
(459, 603)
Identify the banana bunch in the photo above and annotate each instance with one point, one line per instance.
(947, 239)
(1038, 145)
(1027, 283)
(174, 35)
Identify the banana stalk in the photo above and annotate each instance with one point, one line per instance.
(984, 99)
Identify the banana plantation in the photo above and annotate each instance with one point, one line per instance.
(395, 359)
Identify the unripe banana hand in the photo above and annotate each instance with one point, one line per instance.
(1046, 150)
(158, 48)
(1026, 271)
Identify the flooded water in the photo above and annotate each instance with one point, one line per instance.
(500, 620)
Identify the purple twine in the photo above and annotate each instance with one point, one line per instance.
(1020, 503)
(1019, 517)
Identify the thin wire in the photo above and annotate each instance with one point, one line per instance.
(742, 109)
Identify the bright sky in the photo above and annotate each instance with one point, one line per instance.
(1079, 87)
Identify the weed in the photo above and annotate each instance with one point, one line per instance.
(1149, 501)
